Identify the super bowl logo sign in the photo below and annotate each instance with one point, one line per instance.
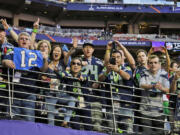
(173, 46)
(169, 46)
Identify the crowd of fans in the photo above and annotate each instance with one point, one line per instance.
(116, 93)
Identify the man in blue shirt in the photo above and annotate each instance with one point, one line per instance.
(3, 86)
(24, 87)
(142, 66)
(92, 67)
(119, 97)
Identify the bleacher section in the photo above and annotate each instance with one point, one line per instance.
(62, 35)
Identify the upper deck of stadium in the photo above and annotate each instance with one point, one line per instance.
(133, 20)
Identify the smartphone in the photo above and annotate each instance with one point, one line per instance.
(112, 61)
(114, 46)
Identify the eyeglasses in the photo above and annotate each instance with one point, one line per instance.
(74, 63)
(24, 39)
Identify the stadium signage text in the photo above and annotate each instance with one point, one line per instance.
(109, 8)
(173, 46)
(122, 8)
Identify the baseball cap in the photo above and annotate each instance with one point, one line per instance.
(86, 43)
(2, 27)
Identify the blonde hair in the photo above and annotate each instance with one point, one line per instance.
(44, 41)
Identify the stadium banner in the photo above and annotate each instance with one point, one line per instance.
(158, 44)
(122, 8)
(25, 59)
(14, 127)
(174, 46)
(124, 42)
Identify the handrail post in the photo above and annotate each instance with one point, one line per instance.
(10, 100)
(113, 113)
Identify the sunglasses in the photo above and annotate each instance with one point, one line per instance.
(74, 63)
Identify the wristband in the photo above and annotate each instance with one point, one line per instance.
(35, 30)
(9, 29)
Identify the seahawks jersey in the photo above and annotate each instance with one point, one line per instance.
(74, 84)
(120, 92)
(139, 71)
(93, 69)
(6, 49)
(25, 59)
(22, 77)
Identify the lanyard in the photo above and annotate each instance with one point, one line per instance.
(115, 77)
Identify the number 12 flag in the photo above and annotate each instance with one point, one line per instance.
(25, 59)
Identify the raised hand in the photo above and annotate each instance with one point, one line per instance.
(36, 24)
(119, 45)
(151, 50)
(109, 45)
(75, 42)
(4, 23)
(164, 50)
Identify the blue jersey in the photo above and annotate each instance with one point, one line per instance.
(23, 78)
(25, 59)
(139, 71)
(5, 47)
(67, 78)
(119, 92)
(93, 69)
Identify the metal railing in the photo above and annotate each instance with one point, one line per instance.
(109, 120)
